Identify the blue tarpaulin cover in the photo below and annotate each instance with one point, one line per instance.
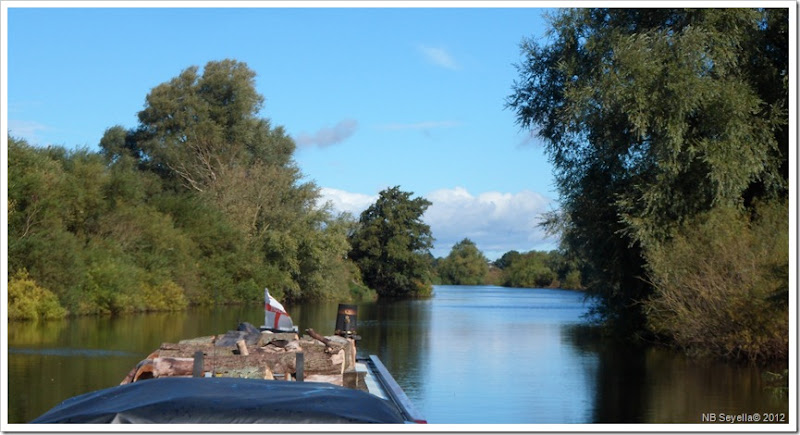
(223, 400)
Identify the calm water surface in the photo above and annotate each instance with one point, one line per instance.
(467, 355)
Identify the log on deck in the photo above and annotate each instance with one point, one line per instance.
(272, 354)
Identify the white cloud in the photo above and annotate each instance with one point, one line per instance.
(28, 130)
(440, 57)
(327, 136)
(342, 201)
(497, 222)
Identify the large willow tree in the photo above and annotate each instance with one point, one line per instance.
(652, 118)
(203, 135)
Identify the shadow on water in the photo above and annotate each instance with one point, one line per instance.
(618, 376)
(651, 384)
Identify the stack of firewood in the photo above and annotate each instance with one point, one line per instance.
(250, 353)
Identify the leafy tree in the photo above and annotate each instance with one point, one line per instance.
(539, 269)
(572, 280)
(723, 284)
(530, 270)
(29, 301)
(195, 128)
(465, 265)
(201, 134)
(652, 117)
(507, 258)
(566, 267)
(391, 245)
(38, 240)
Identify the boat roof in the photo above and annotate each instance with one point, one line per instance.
(223, 400)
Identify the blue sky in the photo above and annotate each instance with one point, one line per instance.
(374, 97)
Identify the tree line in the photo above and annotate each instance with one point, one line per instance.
(200, 204)
(467, 265)
(669, 133)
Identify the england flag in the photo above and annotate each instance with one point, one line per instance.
(275, 316)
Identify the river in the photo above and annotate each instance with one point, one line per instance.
(467, 355)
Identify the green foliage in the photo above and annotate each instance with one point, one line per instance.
(358, 290)
(507, 258)
(651, 118)
(202, 133)
(29, 301)
(572, 280)
(465, 265)
(201, 203)
(530, 270)
(539, 269)
(199, 130)
(165, 296)
(722, 284)
(391, 245)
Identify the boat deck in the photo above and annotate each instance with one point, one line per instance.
(381, 383)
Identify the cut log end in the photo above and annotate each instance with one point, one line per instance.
(242, 346)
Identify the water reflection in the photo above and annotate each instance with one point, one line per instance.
(497, 356)
(96, 353)
(398, 332)
(52, 361)
(468, 355)
(655, 385)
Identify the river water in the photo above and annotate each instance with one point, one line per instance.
(467, 355)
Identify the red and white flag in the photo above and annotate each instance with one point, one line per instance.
(275, 316)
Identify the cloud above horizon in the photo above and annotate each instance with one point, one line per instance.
(342, 201)
(439, 57)
(28, 130)
(328, 136)
(497, 222)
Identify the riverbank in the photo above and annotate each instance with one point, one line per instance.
(29, 302)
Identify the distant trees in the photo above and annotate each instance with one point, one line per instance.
(660, 122)
(465, 265)
(538, 269)
(391, 245)
(529, 270)
(506, 259)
